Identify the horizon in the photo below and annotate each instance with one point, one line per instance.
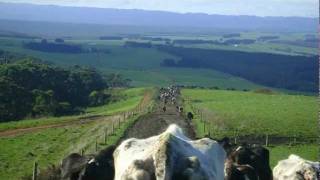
(110, 6)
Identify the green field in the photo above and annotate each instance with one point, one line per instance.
(235, 113)
(50, 145)
(309, 151)
(253, 113)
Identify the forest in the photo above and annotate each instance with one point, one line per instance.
(32, 88)
(297, 73)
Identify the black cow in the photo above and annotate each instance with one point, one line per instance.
(254, 158)
(239, 172)
(72, 165)
(189, 116)
(164, 108)
(99, 167)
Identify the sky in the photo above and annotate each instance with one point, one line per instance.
(305, 8)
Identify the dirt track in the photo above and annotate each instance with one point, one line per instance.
(20, 131)
(157, 122)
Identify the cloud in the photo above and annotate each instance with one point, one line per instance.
(236, 7)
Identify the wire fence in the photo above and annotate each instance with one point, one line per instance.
(211, 126)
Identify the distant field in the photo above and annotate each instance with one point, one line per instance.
(142, 65)
(48, 146)
(252, 113)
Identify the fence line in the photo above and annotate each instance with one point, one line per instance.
(267, 139)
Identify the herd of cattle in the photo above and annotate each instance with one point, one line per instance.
(172, 155)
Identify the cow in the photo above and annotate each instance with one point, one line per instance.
(180, 109)
(72, 165)
(89, 167)
(189, 116)
(170, 155)
(248, 162)
(164, 109)
(296, 168)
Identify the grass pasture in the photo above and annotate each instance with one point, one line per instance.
(258, 113)
(50, 145)
(241, 114)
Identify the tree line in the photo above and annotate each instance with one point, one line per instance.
(58, 47)
(32, 88)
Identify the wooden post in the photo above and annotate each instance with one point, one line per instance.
(124, 116)
(35, 171)
(119, 123)
(96, 145)
(235, 140)
(204, 126)
(105, 136)
(82, 152)
(267, 140)
(295, 139)
(112, 128)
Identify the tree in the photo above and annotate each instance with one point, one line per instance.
(44, 103)
(98, 98)
(15, 101)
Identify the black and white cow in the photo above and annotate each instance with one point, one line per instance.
(296, 168)
(170, 155)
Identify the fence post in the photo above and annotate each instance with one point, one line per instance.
(105, 135)
(35, 171)
(112, 128)
(119, 123)
(204, 127)
(96, 145)
(267, 140)
(82, 152)
(235, 140)
(294, 139)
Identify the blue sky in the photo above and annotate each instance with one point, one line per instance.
(306, 8)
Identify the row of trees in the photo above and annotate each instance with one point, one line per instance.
(33, 88)
(58, 47)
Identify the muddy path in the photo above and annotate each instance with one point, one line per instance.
(158, 121)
